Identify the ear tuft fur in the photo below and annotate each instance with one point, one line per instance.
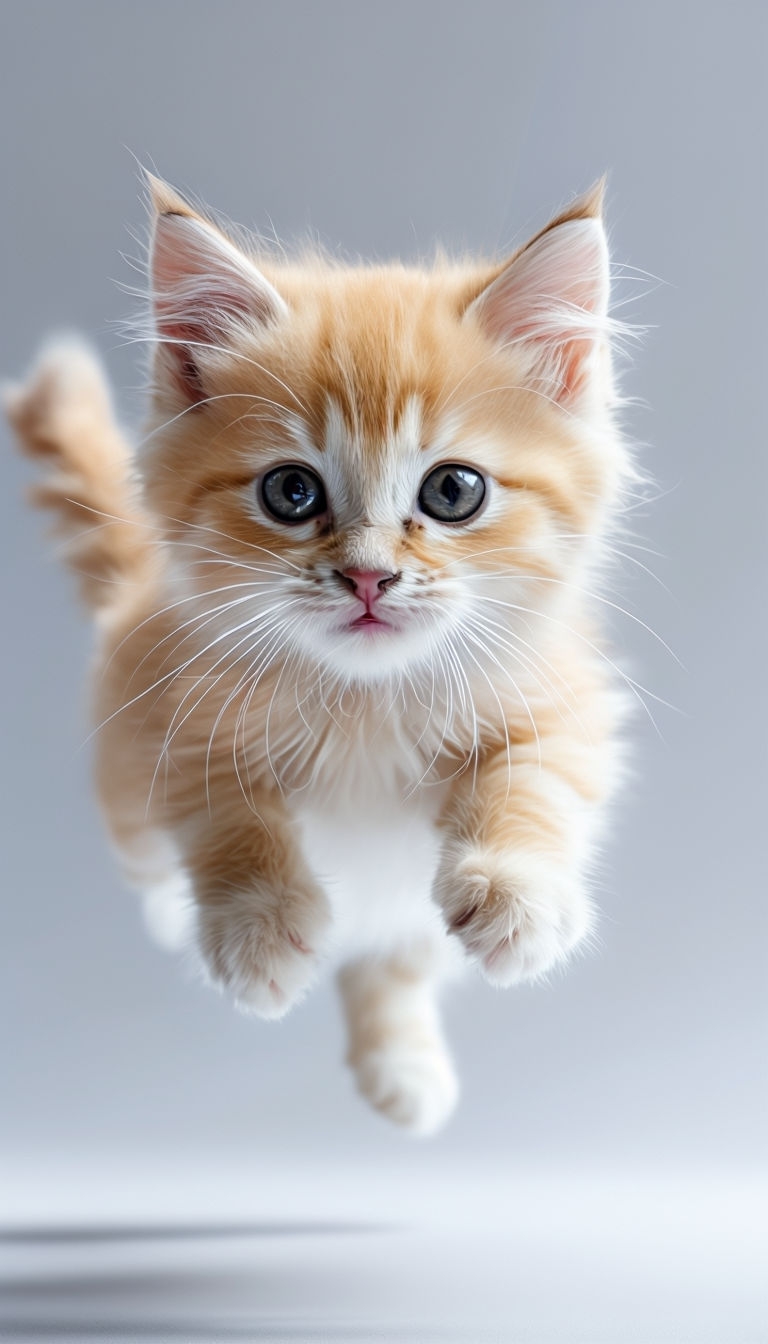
(551, 300)
(164, 200)
(203, 288)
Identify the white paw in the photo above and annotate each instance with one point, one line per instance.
(168, 909)
(263, 947)
(415, 1086)
(515, 915)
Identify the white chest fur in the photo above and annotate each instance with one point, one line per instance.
(375, 853)
(367, 805)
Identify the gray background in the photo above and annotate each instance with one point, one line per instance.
(382, 128)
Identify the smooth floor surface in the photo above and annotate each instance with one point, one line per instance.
(411, 1254)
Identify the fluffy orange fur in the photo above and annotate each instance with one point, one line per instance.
(248, 734)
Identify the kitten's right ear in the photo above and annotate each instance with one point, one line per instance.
(202, 287)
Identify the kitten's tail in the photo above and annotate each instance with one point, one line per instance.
(62, 415)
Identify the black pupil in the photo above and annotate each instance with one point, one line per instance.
(295, 489)
(450, 489)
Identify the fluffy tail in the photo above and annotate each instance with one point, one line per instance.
(63, 417)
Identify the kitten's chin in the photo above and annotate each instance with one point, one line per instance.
(368, 650)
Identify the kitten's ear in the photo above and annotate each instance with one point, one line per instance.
(551, 300)
(203, 288)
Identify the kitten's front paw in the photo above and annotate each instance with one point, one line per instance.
(515, 915)
(263, 946)
(415, 1086)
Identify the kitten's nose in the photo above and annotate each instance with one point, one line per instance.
(367, 584)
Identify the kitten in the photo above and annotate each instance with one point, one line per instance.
(352, 709)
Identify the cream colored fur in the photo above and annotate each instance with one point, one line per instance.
(288, 791)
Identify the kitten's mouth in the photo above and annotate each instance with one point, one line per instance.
(369, 621)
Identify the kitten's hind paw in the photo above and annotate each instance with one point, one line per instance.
(414, 1086)
(264, 947)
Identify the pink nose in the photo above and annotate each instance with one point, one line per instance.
(367, 584)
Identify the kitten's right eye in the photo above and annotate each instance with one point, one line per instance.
(293, 494)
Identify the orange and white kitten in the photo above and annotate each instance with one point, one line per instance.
(352, 707)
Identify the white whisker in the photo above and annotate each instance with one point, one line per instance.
(260, 631)
(155, 339)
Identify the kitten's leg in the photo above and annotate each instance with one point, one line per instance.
(395, 1043)
(150, 864)
(261, 917)
(168, 910)
(511, 877)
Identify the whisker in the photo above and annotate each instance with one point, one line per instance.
(637, 690)
(144, 524)
(169, 677)
(203, 618)
(485, 629)
(174, 728)
(156, 339)
(597, 597)
(205, 401)
(463, 636)
(265, 659)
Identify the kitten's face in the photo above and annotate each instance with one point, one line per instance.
(376, 470)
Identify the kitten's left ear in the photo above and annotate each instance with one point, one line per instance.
(203, 288)
(551, 300)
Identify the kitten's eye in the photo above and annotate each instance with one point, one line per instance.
(293, 494)
(452, 493)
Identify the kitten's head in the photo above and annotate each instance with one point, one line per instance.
(389, 460)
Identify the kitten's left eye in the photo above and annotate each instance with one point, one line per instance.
(293, 494)
(452, 493)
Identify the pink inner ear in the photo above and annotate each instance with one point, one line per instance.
(553, 297)
(182, 339)
(201, 284)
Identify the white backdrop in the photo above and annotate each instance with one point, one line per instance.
(382, 129)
